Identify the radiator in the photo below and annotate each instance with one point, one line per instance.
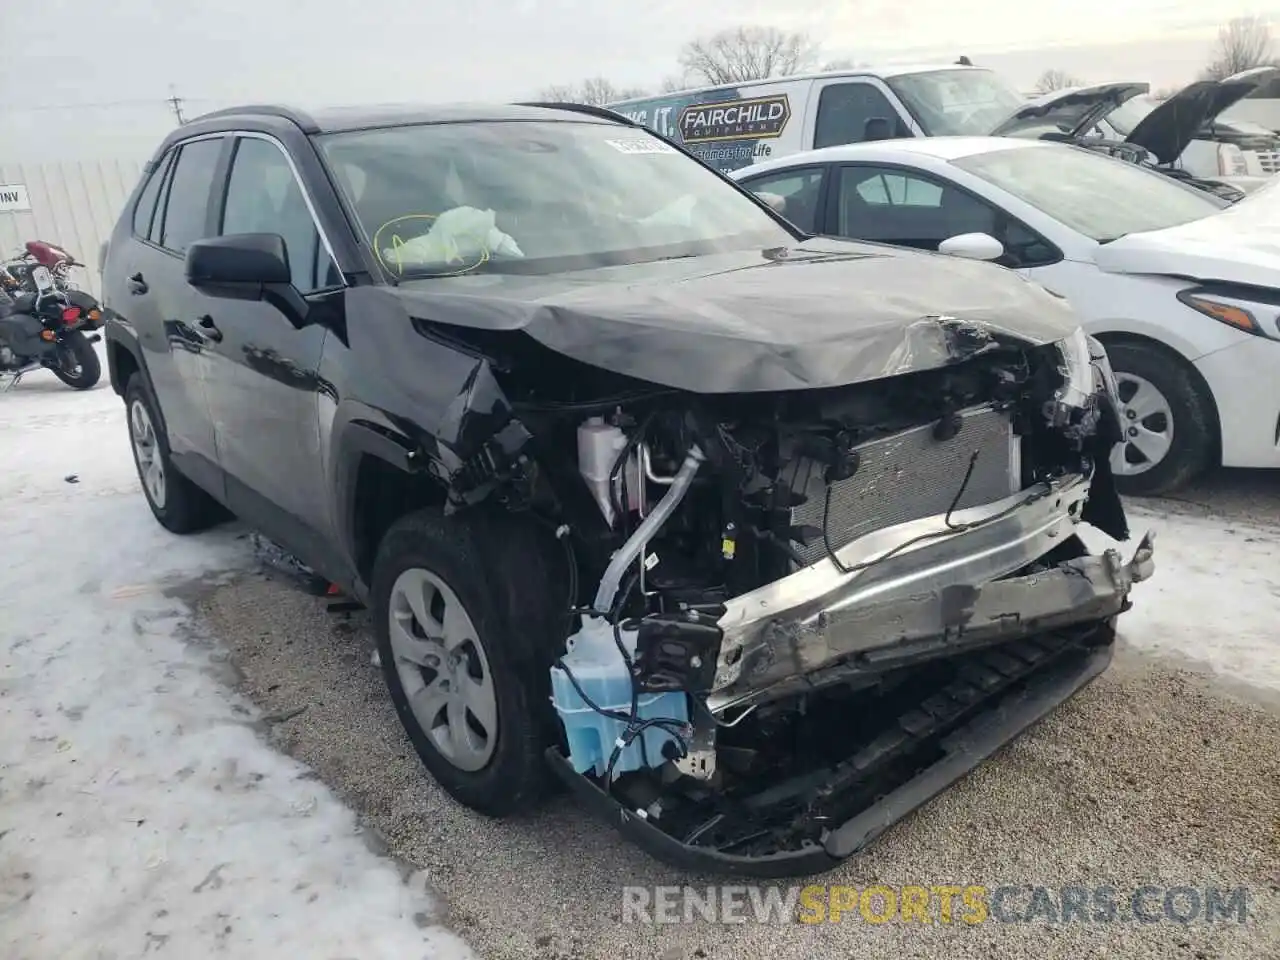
(907, 476)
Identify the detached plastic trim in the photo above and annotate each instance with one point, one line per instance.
(966, 748)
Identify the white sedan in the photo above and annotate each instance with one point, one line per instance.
(1182, 288)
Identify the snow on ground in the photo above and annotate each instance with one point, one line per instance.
(140, 811)
(1215, 596)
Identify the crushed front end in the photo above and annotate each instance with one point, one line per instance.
(803, 614)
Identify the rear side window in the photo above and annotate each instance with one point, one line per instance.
(186, 212)
(144, 212)
(844, 110)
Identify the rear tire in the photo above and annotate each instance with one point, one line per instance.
(468, 618)
(1167, 419)
(78, 364)
(177, 503)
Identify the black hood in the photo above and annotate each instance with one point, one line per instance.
(823, 313)
(1168, 129)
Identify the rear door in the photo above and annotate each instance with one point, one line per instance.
(263, 381)
(150, 292)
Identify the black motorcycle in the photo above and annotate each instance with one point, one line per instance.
(46, 327)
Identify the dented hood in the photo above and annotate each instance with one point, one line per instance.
(823, 313)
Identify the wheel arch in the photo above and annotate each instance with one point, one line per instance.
(380, 477)
(124, 361)
(1174, 356)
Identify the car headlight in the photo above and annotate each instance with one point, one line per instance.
(1248, 316)
(1077, 369)
(1078, 388)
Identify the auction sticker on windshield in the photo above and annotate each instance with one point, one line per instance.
(641, 145)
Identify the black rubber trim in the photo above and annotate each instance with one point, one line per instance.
(966, 748)
(662, 846)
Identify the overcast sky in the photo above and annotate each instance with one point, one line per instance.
(75, 72)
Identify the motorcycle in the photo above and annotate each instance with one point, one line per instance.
(15, 276)
(43, 327)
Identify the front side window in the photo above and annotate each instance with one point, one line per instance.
(962, 102)
(536, 197)
(263, 196)
(1093, 194)
(854, 112)
(797, 192)
(890, 205)
(186, 211)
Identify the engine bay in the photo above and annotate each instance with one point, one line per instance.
(762, 598)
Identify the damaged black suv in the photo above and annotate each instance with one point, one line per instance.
(756, 541)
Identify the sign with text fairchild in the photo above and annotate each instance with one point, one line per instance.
(721, 126)
(13, 197)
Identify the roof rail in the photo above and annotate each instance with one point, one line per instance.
(291, 114)
(591, 110)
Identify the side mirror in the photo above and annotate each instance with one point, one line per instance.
(972, 246)
(877, 128)
(239, 265)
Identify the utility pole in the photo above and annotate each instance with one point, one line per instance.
(175, 101)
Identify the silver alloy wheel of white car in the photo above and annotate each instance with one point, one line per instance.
(1146, 418)
(146, 453)
(443, 669)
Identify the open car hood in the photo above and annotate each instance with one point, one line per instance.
(1071, 111)
(1239, 244)
(1168, 129)
(823, 313)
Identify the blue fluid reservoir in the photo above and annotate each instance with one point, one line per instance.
(597, 665)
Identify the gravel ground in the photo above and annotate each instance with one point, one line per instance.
(1155, 774)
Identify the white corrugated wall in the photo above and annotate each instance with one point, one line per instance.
(74, 205)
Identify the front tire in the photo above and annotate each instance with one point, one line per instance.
(467, 622)
(78, 364)
(177, 503)
(1167, 419)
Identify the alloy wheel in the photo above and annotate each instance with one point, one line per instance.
(146, 453)
(443, 669)
(1146, 418)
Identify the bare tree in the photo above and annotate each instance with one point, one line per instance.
(1244, 43)
(840, 63)
(748, 53)
(675, 83)
(1052, 80)
(594, 90)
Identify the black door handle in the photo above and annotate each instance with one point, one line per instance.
(137, 285)
(209, 329)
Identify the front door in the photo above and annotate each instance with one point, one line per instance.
(263, 383)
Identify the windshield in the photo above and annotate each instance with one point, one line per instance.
(536, 197)
(1100, 197)
(1128, 115)
(966, 102)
